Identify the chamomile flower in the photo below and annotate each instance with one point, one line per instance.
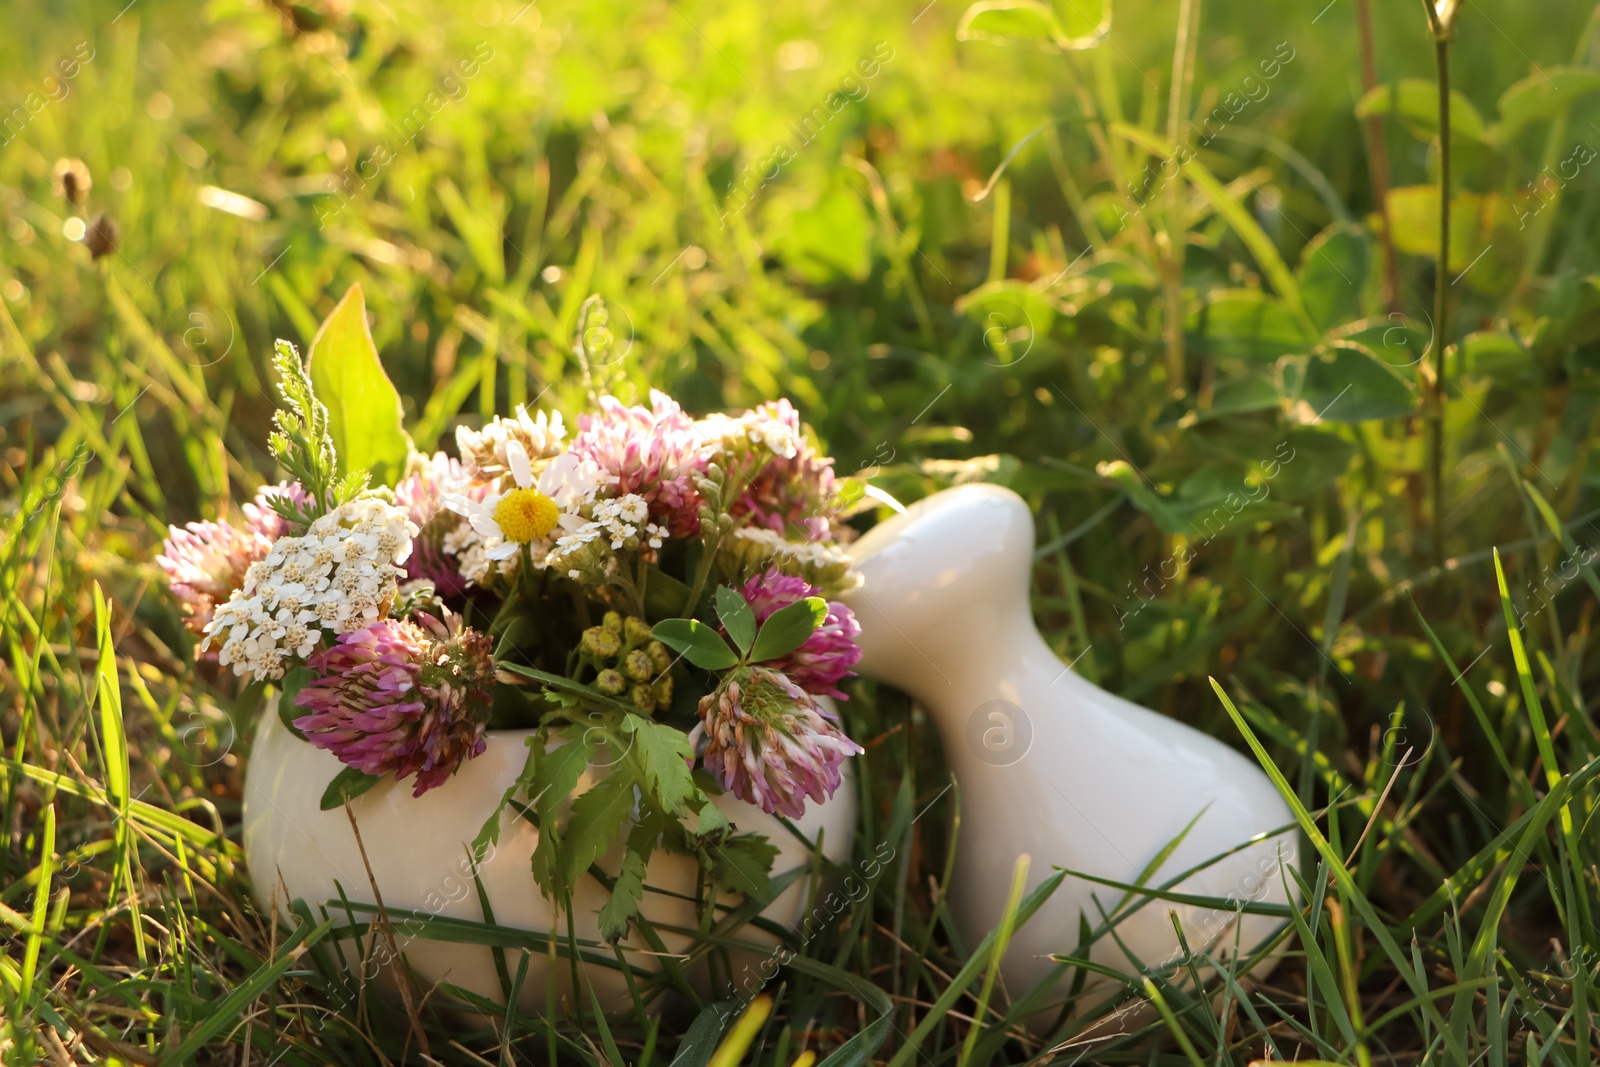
(529, 512)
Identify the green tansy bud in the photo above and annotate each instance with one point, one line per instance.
(612, 622)
(636, 665)
(644, 698)
(636, 630)
(659, 656)
(611, 682)
(662, 688)
(600, 642)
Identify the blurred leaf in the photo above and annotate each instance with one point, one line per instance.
(1397, 341)
(1227, 496)
(1210, 502)
(829, 239)
(478, 229)
(1306, 461)
(1347, 384)
(1013, 316)
(1540, 96)
(1232, 210)
(1005, 21)
(1084, 22)
(1232, 396)
(1332, 276)
(1414, 215)
(364, 414)
(1415, 102)
(1495, 355)
(1247, 324)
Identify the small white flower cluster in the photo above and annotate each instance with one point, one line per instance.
(752, 430)
(471, 552)
(483, 452)
(618, 520)
(343, 574)
(821, 563)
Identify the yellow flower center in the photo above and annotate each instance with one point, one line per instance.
(525, 515)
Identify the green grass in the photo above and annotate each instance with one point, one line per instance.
(1410, 654)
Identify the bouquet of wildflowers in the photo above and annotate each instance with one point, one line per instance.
(646, 591)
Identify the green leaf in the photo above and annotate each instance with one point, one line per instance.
(1083, 22)
(1005, 21)
(665, 752)
(1247, 324)
(743, 863)
(1474, 219)
(1415, 102)
(348, 784)
(1012, 316)
(1332, 275)
(294, 679)
(1540, 96)
(1495, 355)
(556, 684)
(664, 596)
(701, 1040)
(626, 893)
(1346, 384)
(597, 816)
(787, 628)
(1305, 461)
(1231, 210)
(737, 618)
(364, 413)
(555, 775)
(697, 642)
(712, 822)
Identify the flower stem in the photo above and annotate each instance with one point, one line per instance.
(1177, 224)
(1441, 302)
(1378, 159)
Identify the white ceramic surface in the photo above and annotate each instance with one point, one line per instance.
(418, 851)
(1047, 763)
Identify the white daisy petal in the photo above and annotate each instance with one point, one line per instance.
(517, 460)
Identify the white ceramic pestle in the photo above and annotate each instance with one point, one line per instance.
(1047, 763)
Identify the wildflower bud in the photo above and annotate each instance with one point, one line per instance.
(637, 666)
(636, 630)
(644, 698)
(600, 642)
(103, 237)
(72, 182)
(611, 682)
(725, 524)
(612, 622)
(714, 474)
(660, 658)
(707, 516)
(662, 688)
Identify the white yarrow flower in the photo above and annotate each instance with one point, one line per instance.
(340, 575)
